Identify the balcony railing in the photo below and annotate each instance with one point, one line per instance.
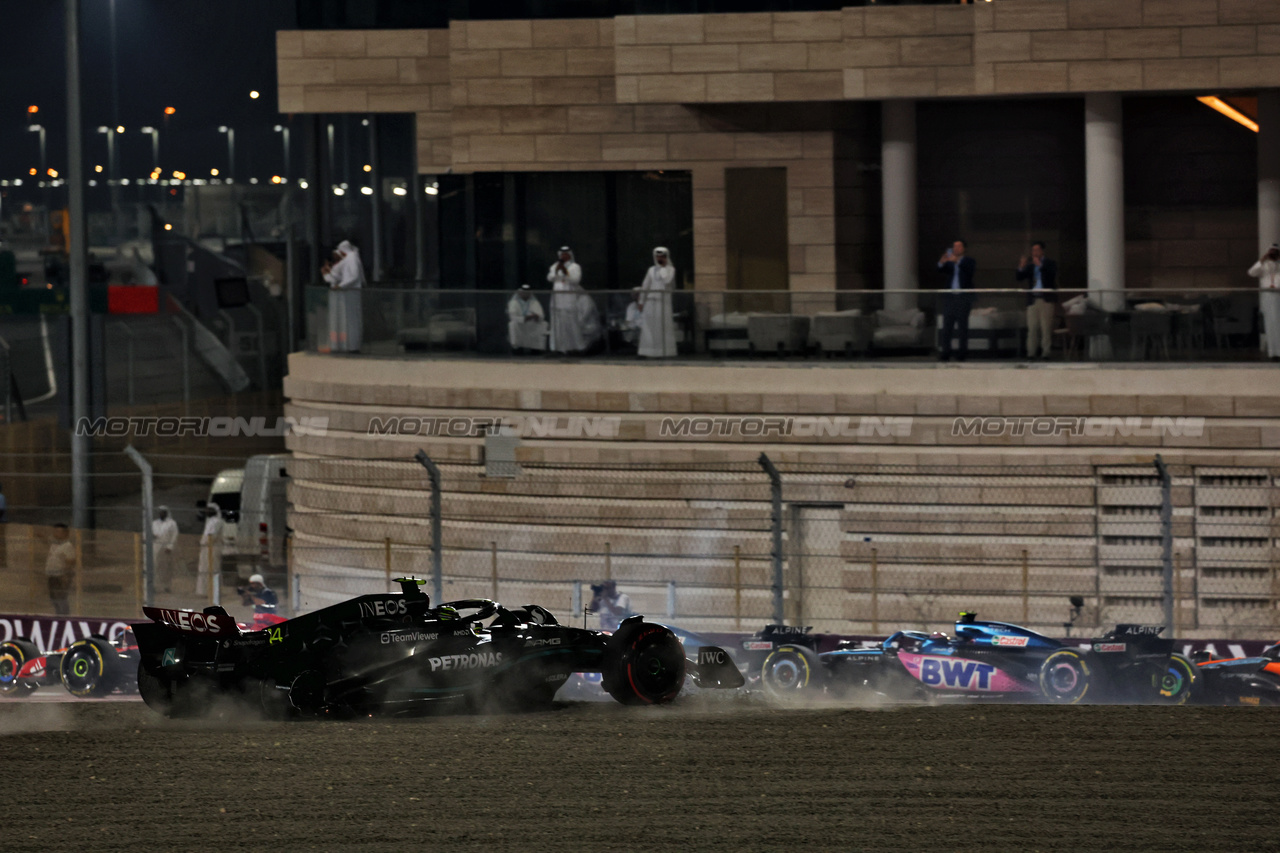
(1137, 326)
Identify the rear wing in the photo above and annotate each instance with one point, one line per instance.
(212, 622)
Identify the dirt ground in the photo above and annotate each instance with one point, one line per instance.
(725, 775)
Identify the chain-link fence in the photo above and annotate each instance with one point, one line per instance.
(847, 548)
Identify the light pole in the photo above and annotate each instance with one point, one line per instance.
(284, 137)
(44, 173)
(155, 158)
(155, 146)
(113, 179)
(231, 151)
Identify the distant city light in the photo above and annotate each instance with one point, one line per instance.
(53, 173)
(169, 111)
(339, 191)
(93, 183)
(124, 182)
(213, 172)
(432, 189)
(366, 191)
(275, 179)
(368, 168)
(303, 184)
(33, 171)
(399, 190)
(182, 176)
(253, 180)
(254, 94)
(97, 168)
(168, 227)
(119, 128)
(33, 109)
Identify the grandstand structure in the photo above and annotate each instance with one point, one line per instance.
(894, 129)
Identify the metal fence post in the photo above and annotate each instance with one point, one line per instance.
(875, 592)
(493, 568)
(671, 599)
(737, 587)
(437, 549)
(1026, 579)
(1166, 537)
(386, 559)
(575, 604)
(148, 538)
(775, 518)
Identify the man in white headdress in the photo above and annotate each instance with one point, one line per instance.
(658, 326)
(526, 324)
(1267, 272)
(345, 277)
(164, 536)
(210, 548)
(575, 321)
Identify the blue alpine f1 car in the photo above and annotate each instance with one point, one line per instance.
(1131, 663)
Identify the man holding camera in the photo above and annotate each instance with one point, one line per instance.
(612, 605)
(1041, 275)
(1267, 272)
(956, 269)
(258, 595)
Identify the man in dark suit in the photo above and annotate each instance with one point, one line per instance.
(956, 269)
(1041, 275)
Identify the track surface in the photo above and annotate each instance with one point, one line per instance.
(715, 776)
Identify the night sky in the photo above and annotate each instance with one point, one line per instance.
(200, 56)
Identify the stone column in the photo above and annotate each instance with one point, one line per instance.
(1268, 168)
(898, 203)
(1104, 198)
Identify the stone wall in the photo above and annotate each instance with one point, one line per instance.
(1009, 47)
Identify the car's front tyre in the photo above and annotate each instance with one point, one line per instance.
(1065, 677)
(644, 665)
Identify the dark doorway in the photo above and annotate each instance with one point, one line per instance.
(755, 220)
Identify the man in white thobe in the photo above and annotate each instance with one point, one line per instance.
(210, 548)
(658, 325)
(345, 277)
(526, 324)
(1267, 272)
(575, 321)
(164, 538)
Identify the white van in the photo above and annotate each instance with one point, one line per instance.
(264, 516)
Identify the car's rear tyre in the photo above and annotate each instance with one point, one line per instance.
(156, 691)
(1173, 684)
(13, 655)
(88, 668)
(1065, 677)
(789, 672)
(644, 665)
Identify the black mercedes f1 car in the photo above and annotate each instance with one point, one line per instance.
(394, 653)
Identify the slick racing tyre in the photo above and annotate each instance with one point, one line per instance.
(644, 665)
(1065, 677)
(156, 691)
(789, 672)
(89, 668)
(1173, 683)
(13, 654)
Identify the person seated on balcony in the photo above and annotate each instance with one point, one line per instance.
(575, 321)
(526, 323)
(345, 276)
(658, 325)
